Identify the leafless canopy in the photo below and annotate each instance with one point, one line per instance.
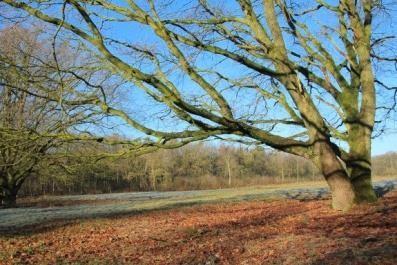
(286, 74)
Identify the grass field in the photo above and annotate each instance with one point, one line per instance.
(253, 225)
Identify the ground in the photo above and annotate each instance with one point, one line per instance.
(42, 210)
(272, 231)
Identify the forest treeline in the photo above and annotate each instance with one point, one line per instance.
(196, 166)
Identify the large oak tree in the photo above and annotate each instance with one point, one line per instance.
(298, 77)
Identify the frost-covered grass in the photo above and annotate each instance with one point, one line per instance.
(128, 203)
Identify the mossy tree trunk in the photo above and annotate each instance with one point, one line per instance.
(334, 172)
(359, 165)
(348, 175)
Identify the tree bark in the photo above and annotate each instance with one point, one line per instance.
(361, 180)
(342, 190)
(229, 172)
(350, 184)
(359, 163)
(9, 197)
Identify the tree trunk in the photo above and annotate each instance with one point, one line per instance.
(359, 164)
(9, 198)
(342, 191)
(348, 187)
(282, 173)
(361, 180)
(229, 172)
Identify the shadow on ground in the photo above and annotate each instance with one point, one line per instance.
(300, 236)
(384, 255)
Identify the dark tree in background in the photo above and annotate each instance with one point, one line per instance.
(34, 120)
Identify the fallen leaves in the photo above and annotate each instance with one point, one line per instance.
(256, 232)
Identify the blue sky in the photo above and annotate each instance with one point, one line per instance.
(142, 106)
(388, 140)
(384, 144)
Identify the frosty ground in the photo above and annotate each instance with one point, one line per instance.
(103, 205)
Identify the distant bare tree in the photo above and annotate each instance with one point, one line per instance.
(33, 119)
